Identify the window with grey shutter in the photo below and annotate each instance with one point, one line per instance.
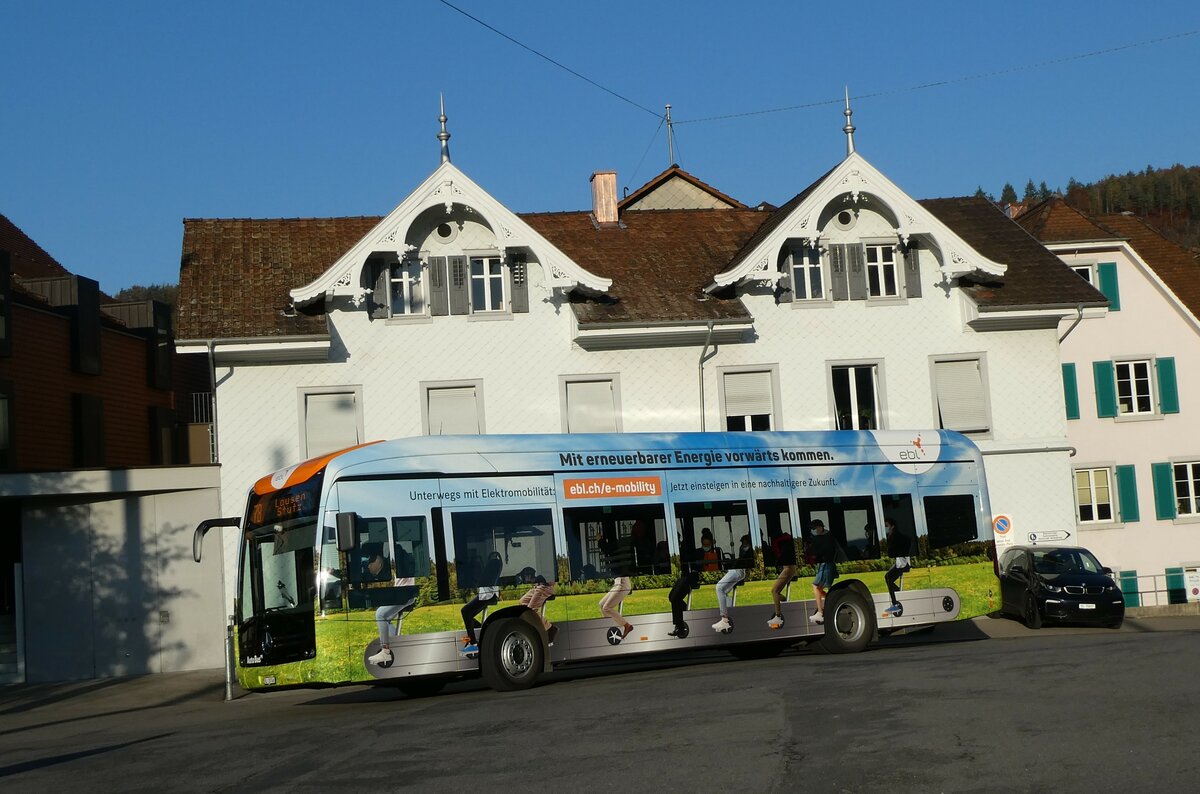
(912, 269)
(591, 407)
(748, 400)
(330, 423)
(439, 299)
(837, 272)
(856, 270)
(961, 402)
(452, 410)
(459, 303)
(377, 272)
(519, 273)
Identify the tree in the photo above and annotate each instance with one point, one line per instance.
(1030, 191)
(979, 193)
(1009, 194)
(166, 293)
(1043, 192)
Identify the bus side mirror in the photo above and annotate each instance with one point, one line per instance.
(202, 529)
(346, 535)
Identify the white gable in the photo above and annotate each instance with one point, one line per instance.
(446, 186)
(857, 183)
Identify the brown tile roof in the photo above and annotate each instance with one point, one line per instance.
(1035, 277)
(1054, 221)
(659, 262)
(1177, 267)
(235, 274)
(29, 260)
(670, 173)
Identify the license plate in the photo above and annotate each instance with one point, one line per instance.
(1087, 606)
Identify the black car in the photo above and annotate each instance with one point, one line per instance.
(1060, 583)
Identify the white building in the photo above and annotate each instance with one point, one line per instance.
(679, 308)
(1132, 384)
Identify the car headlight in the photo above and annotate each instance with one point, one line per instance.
(1051, 588)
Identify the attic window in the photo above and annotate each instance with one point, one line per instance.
(445, 232)
(844, 220)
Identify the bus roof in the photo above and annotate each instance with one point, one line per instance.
(544, 453)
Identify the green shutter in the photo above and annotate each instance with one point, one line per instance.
(1107, 275)
(1071, 390)
(1168, 391)
(1106, 388)
(1127, 498)
(1164, 491)
(1129, 587)
(1176, 586)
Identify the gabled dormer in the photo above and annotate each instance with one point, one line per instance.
(449, 248)
(853, 235)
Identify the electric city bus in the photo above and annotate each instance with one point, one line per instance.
(406, 561)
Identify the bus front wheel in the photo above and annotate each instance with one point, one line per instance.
(849, 622)
(512, 655)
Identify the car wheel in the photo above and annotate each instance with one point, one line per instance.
(849, 622)
(512, 655)
(1031, 614)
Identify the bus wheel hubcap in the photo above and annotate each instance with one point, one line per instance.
(516, 654)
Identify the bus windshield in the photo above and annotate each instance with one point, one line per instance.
(275, 611)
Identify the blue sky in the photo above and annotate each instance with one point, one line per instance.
(118, 120)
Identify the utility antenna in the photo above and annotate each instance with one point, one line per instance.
(670, 138)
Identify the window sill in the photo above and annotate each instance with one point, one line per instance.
(1099, 525)
(898, 300)
(1122, 418)
(1189, 519)
(813, 303)
(409, 319)
(487, 317)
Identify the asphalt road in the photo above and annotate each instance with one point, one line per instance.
(1061, 709)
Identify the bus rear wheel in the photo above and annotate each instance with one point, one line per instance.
(849, 622)
(512, 655)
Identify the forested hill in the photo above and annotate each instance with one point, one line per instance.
(1166, 198)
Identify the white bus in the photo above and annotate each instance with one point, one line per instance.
(406, 561)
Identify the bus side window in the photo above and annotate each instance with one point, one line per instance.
(412, 550)
(723, 525)
(776, 524)
(621, 540)
(523, 539)
(951, 519)
(850, 519)
(899, 508)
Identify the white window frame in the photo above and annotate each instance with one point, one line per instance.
(801, 267)
(302, 395)
(1087, 271)
(1150, 383)
(1193, 485)
(772, 370)
(981, 360)
(612, 378)
(402, 273)
(876, 367)
(428, 386)
(487, 278)
(1093, 498)
(881, 268)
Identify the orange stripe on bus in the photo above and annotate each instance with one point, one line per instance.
(303, 471)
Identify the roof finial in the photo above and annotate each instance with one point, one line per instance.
(443, 136)
(849, 128)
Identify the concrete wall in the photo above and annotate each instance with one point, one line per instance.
(111, 589)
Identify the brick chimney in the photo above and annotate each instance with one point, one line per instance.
(604, 198)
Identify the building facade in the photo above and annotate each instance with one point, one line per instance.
(677, 309)
(1132, 391)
